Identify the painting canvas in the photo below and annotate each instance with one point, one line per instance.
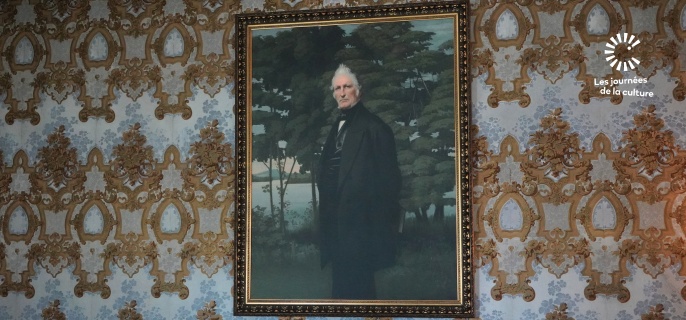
(410, 67)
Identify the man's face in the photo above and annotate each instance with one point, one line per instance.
(344, 92)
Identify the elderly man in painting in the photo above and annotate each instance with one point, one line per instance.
(359, 184)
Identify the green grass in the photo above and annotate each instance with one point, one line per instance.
(302, 279)
(425, 269)
(428, 274)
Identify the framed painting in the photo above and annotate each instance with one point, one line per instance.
(352, 129)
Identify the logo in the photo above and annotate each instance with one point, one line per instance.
(619, 55)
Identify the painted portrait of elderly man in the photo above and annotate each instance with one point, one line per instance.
(353, 190)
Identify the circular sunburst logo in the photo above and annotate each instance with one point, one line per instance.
(620, 53)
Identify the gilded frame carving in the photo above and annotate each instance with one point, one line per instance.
(252, 28)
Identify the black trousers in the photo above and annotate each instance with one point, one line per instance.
(352, 278)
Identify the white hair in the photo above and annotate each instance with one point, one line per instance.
(343, 70)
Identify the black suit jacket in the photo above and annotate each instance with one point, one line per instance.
(359, 219)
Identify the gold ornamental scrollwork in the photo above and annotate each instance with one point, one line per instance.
(671, 50)
(678, 248)
(486, 169)
(558, 252)
(135, 17)
(673, 19)
(554, 59)
(579, 22)
(20, 81)
(112, 46)
(134, 77)
(130, 254)
(58, 174)
(60, 81)
(521, 288)
(213, 15)
(22, 38)
(179, 287)
(595, 288)
(61, 20)
(622, 217)
(55, 253)
(525, 27)
(528, 218)
(188, 43)
(92, 249)
(31, 218)
(108, 222)
(5, 181)
(555, 162)
(210, 175)
(133, 173)
(97, 92)
(155, 221)
(211, 75)
(484, 62)
(210, 253)
(648, 154)
(9, 284)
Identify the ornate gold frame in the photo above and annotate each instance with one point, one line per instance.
(246, 24)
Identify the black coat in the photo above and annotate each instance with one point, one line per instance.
(359, 218)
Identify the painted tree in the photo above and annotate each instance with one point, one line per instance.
(409, 84)
(289, 70)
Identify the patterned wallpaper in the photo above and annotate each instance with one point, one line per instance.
(116, 149)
